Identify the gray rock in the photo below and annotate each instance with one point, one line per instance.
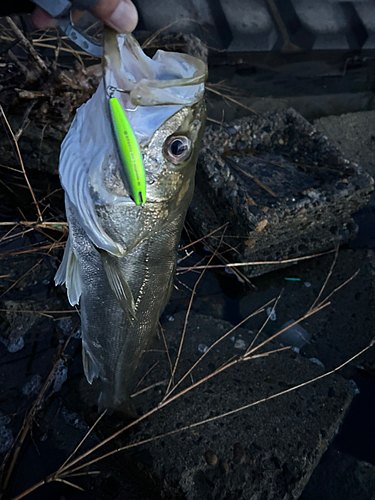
(340, 476)
(354, 135)
(281, 187)
(267, 451)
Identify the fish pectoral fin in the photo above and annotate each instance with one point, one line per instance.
(68, 273)
(118, 285)
(90, 366)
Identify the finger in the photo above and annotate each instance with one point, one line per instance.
(42, 19)
(120, 15)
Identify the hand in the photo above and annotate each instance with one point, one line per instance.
(118, 14)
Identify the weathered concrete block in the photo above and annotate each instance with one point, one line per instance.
(267, 451)
(283, 189)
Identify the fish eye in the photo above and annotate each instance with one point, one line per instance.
(177, 149)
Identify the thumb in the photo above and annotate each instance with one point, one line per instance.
(120, 15)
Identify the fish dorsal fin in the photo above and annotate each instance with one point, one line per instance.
(118, 285)
(69, 274)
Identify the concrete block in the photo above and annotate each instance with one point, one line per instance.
(366, 12)
(326, 21)
(283, 189)
(268, 451)
(251, 25)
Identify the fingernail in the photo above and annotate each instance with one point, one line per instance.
(124, 18)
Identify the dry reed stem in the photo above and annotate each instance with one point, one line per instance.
(6, 235)
(49, 247)
(21, 163)
(149, 387)
(264, 324)
(203, 237)
(340, 286)
(145, 375)
(230, 98)
(83, 440)
(60, 480)
(186, 321)
(166, 346)
(256, 263)
(223, 415)
(45, 225)
(305, 316)
(229, 332)
(327, 278)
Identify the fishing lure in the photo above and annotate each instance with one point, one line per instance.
(133, 171)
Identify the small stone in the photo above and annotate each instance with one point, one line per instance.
(211, 457)
(262, 224)
(271, 313)
(240, 344)
(202, 348)
(238, 454)
(223, 466)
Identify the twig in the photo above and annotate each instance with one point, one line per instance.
(42, 65)
(305, 316)
(250, 176)
(264, 324)
(145, 375)
(166, 346)
(203, 237)
(149, 40)
(229, 332)
(186, 321)
(210, 89)
(21, 163)
(82, 440)
(149, 387)
(327, 278)
(21, 278)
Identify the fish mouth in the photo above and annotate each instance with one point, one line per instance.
(150, 90)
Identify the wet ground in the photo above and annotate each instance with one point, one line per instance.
(33, 333)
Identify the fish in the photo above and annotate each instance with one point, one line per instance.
(119, 261)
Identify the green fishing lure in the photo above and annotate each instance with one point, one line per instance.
(133, 171)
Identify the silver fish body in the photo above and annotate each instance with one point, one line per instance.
(120, 258)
